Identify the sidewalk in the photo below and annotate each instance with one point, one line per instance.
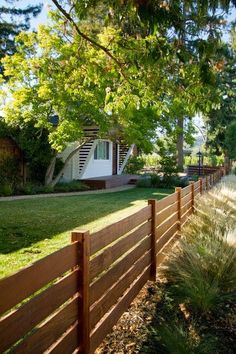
(70, 194)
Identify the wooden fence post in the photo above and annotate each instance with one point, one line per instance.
(83, 255)
(201, 186)
(153, 203)
(179, 191)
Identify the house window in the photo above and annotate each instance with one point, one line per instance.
(101, 151)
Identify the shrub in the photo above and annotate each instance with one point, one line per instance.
(157, 181)
(9, 175)
(202, 274)
(6, 190)
(174, 337)
(144, 182)
(72, 186)
(134, 165)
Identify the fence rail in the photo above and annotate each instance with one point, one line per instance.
(70, 299)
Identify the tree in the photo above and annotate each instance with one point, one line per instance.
(125, 71)
(219, 118)
(230, 140)
(13, 21)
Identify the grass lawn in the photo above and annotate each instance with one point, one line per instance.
(31, 229)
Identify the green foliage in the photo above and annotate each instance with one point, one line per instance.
(156, 181)
(202, 269)
(73, 186)
(9, 175)
(175, 337)
(134, 165)
(230, 140)
(13, 21)
(30, 188)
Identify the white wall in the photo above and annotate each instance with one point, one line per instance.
(98, 168)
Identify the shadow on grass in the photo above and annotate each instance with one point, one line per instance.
(26, 222)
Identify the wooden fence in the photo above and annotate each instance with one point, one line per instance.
(69, 300)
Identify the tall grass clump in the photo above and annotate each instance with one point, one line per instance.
(201, 269)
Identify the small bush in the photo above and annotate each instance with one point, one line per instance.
(6, 190)
(9, 175)
(73, 186)
(157, 181)
(144, 182)
(202, 274)
(135, 165)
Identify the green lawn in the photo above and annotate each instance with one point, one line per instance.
(31, 229)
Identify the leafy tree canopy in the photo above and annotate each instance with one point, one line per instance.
(129, 68)
(13, 20)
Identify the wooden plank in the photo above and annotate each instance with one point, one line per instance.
(165, 202)
(161, 229)
(15, 325)
(166, 213)
(49, 331)
(83, 240)
(185, 216)
(111, 254)
(186, 199)
(112, 232)
(166, 237)
(115, 313)
(32, 278)
(197, 191)
(164, 252)
(186, 190)
(110, 298)
(67, 343)
(186, 207)
(100, 286)
(196, 185)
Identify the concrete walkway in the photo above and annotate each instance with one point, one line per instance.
(70, 194)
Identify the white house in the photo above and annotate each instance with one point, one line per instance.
(97, 158)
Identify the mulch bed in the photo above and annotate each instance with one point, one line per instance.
(132, 329)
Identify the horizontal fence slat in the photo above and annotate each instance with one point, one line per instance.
(106, 325)
(186, 199)
(186, 190)
(185, 215)
(111, 254)
(163, 253)
(113, 294)
(48, 332)
(165, 238)
(197, 191)
(23, 319)
(112, 232)
(196, 184)
(167, 201)
(30, 279)
(98, 288)
(186, 207)
(161, 229)
(166, 213)
(67, 343)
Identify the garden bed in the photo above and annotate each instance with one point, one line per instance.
(191, 309)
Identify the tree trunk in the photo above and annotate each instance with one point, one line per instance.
(180, 144)
(50, 171)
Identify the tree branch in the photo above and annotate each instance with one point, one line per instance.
(87, 38)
